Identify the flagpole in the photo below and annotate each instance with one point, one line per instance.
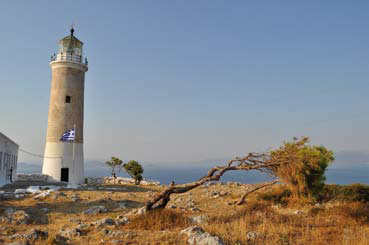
(74, 129)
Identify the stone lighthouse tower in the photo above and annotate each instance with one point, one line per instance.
(63, 161)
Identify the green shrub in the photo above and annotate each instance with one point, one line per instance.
(302, 166)
(135, 170)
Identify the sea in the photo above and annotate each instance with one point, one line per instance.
(180, 172)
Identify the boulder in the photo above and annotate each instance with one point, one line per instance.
(197, 236)
(42, 195)
(252, 235)
(104, 221)
(121, 220)
(200, 219)
(70, 232)
(33, 189)
(82, 226)
(20, 191)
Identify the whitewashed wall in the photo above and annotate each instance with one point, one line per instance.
(8, 159)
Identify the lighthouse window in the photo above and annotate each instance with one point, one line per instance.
(67, 99)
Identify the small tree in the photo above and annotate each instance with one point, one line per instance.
(115, 163)
(302, 166)
(135, 170)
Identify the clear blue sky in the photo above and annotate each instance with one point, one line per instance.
(192, 80)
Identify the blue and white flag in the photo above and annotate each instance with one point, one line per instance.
(69, 135)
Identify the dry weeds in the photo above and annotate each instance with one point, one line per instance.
(272, 214)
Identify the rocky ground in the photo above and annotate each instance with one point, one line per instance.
(113, 214)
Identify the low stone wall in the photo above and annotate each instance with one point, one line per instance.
(90, 180)
(95, 180)
(32, 177)
(122, 181)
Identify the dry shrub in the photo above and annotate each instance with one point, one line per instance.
(278, 195)
(357, 210)
(247, 211)
(159, 220)
(351, 193)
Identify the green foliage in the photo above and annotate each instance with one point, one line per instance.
(135, 170)
(302, 166)
(115, 163)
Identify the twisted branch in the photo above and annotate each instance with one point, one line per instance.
(253, 161)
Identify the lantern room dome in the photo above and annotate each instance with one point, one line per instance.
(70, 45)
(70, 49)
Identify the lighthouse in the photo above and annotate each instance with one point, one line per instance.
(63, 160)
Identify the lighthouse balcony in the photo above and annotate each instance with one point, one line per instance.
(70, 58)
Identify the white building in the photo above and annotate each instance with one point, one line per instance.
(8, 159)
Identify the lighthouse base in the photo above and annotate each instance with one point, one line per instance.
(59, 164)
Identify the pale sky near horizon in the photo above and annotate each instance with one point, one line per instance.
(191, 80)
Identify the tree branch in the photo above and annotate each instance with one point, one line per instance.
(253, 161)
(242, 200)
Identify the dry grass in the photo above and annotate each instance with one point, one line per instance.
(160, 220)
(270, 213)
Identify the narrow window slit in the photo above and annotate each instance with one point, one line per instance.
(67, 99)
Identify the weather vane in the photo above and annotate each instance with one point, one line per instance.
(72, 28)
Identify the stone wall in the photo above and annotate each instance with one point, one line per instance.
(32, 177)
(122, 181)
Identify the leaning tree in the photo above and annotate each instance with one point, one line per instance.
(292, 157)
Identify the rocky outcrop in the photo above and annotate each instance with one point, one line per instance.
(96, 210)
(197, 236)
(16, 217)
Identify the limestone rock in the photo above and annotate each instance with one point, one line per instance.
(70, 232)
(42, 195)
(200, 219)
(252, 235)
(20, 217)
(20, 191)
(121, 220)
(82, 226)
(106, 232)
(33, 234)
(104, 221)
(36, 234)
(197, 236)
(96, 210)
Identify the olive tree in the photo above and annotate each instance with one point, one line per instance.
(135, 170)
(115, 164)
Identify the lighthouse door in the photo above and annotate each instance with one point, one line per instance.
(64, 174)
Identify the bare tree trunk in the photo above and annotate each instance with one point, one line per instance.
(253, 161)
(242, 200)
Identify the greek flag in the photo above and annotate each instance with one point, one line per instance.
(69, 135)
